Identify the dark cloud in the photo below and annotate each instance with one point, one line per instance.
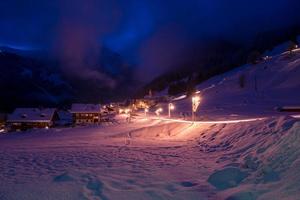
(79, 30)
(150, 34)
(162, 51)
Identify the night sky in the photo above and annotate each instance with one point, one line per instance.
(150, 34)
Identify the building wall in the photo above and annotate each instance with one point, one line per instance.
(28, 125)
(86, 118)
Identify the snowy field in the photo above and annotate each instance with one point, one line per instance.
(152, 159)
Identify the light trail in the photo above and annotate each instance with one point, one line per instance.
(208, 122)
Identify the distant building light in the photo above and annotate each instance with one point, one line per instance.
(127, 111)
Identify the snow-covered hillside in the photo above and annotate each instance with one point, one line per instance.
(272, 81)
(265, 86)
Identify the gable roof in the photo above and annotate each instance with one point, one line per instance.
(85, 108)
(32, 115)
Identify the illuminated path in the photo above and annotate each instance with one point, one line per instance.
(233, 121)
(207, 122)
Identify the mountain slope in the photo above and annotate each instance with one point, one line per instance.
(209, 59)
(252, 90)
(39, 81)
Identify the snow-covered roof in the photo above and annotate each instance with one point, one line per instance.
(32, 115)
(85, 108)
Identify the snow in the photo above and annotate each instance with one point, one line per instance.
(153, 159)
(239, 148)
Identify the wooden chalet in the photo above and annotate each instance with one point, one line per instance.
(86, 113)
(28, 118)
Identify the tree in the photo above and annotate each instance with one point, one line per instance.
(254, 57)
(177, 88)
(191, 89)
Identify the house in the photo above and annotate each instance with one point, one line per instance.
(143, 103)
(86, 113)
(27, 118)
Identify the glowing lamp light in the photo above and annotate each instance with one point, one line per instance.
(121, 111)
(195, 105)
(171, 107)
(127, 111)
(158, 111)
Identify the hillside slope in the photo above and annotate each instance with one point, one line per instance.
(250, 90)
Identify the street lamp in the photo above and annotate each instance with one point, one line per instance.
(195, 105)
(158, 111)
(146, 111)
(128, 114)
(171, 107)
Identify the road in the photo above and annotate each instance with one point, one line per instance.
(163, 118)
